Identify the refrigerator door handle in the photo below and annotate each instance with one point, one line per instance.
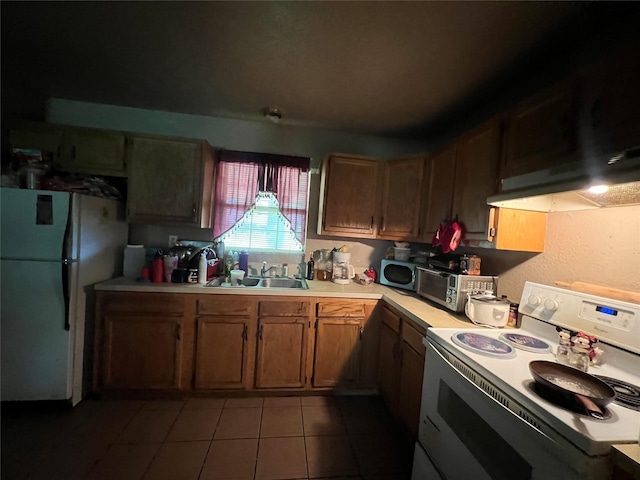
(65, 292)
(66, 264)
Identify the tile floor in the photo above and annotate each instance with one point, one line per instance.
(273, 438)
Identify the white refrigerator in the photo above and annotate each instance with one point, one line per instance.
(54, 247)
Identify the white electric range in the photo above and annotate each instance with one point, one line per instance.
(484, 417)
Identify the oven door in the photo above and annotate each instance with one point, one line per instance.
(469, 434)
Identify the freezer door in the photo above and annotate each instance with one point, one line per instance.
(36, 348)
(33, 223)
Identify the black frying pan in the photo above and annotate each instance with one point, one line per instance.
(573, 384)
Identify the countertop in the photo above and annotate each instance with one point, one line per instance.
(419, 310)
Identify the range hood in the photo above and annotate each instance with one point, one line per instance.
(567, 187)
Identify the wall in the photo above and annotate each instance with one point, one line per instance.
(600, 246)
(235, 135)
(594, 246)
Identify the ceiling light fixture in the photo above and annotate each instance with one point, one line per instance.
(272, 113)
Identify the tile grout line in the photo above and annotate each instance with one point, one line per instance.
(162, 442)
(111, 444)
(255, 463)
(213, 434)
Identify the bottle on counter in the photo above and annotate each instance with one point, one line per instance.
(202, 269)
(243, 261)
(310, 268)
(157, 269)
(464, 264)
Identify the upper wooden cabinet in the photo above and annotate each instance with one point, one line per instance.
(93, 151)
(476, 177)
(460, 178)
(73, 149)
(348, 206)
(438, 190)
(402, 185)
(45, 137)
(368, 198)
(610, 108)
(542, 131)
(170, 181)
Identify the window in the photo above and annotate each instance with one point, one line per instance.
(261, 201)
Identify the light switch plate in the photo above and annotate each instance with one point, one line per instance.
(173, 239)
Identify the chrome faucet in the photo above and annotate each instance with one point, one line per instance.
(264, 270)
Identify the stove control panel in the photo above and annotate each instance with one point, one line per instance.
(611, 321)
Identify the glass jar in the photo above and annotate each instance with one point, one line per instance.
(324, 267)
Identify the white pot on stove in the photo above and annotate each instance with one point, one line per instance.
(487, 310)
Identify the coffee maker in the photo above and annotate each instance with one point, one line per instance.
(343, 271)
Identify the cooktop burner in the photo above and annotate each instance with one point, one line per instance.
(561, 401)
(525, 342)
(483, 345)
(627, 395)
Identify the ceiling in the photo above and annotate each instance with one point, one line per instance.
(383, 68)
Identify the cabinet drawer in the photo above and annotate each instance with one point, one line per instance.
(283, 308)
(215, 305)
(113, 302)
(341, 308)
(413, 337)
(391, 319)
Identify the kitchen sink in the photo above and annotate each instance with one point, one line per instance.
(268, 282)
(283, 283)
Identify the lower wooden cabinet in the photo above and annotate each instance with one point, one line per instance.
(412, 355)
(224, 342)
(401, 368)
(337, 352)
(281, 354)
(220, 342)
(222, 353)
(142, 351)
(139, 341)
(388, 367)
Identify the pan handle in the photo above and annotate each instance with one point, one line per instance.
(589, 405)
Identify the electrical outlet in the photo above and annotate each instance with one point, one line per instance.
(173, 239)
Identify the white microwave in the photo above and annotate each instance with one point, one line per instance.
(395, 273)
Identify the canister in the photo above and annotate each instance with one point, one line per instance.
(134, 258)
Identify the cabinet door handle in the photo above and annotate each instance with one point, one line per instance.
(361, 329)
(371, 227)
(194, 209)
(178, 331)
(382, 223)
(260, 333)
(245, 334)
